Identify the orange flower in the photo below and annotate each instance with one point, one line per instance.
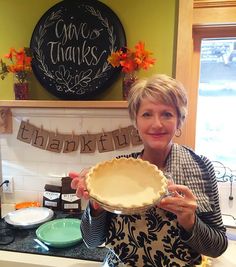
(142, 56)
(10, 55)
(20, 64)
(132, 60)
(114, 59)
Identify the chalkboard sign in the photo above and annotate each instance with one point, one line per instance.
(70, 46)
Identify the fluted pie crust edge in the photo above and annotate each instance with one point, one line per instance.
(126, 185)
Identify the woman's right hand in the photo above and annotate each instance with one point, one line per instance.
(78, 183)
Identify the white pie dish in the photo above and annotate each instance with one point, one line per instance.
(27, 218)
(126, 185)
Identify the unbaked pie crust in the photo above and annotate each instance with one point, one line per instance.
(126, 185)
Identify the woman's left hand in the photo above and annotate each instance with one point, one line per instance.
(182, 203)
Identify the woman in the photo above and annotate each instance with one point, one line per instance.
(186, 224)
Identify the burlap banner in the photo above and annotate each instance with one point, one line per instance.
(86, 143)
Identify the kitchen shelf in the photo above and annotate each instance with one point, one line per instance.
(63, 104)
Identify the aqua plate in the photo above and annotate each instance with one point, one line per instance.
(60, 233)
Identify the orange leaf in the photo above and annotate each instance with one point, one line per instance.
(132, 59)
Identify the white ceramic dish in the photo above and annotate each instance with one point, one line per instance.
(29, 217)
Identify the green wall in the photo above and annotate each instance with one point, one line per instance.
(151, 21)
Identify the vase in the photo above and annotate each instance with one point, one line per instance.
(128, 80)
(21, 91)
(21, 86)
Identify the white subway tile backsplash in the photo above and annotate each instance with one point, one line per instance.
(123, 122)
(33, 183)
(9, 142)
(94, 158)
(8, 199)
(96, 125)
(18, 183)
(15, 168)
(26, 195)
(25, 152)
(64, 158)
(65, 126)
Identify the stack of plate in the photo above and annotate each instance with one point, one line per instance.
(60, 233)
(29, 217)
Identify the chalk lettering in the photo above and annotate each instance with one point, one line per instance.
(78, 37)
(89, 55)
(69, 32)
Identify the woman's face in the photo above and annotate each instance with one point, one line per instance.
(157, 124)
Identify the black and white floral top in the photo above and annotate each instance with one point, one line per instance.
(155, 238)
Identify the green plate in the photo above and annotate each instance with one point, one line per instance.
(60, 233)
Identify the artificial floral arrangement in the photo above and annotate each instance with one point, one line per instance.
(131, 60)
(20, 64)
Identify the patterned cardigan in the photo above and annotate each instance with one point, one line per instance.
(207, 237)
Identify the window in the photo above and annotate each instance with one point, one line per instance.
(216, 108)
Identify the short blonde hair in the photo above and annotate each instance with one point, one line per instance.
(159, 87)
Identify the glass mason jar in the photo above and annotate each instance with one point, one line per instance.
(128, 80)
(21, 86)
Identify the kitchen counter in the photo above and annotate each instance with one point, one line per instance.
(25, 252)
(24, 243)
(16, 259)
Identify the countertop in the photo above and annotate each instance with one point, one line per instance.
(78, 255)
(24, 243)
